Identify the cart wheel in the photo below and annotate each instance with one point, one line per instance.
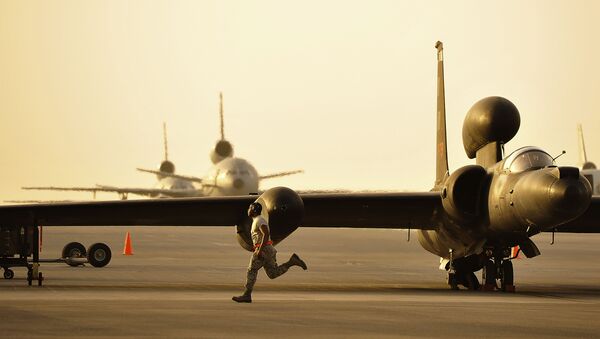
(74, 250)
(40, 278)
(99, 255)
(29, 277)
(8, 273)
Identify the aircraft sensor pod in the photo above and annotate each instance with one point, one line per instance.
(491, 119)
(284, 210)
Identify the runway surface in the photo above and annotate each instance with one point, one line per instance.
(360, 283)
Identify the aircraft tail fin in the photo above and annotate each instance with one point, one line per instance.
(165, 145)
(582, 154)
(585, 164)
(166, 165)
(441, 143)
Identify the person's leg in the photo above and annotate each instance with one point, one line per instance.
(256, 262)
(270, 263)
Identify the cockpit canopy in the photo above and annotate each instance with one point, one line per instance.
(527, 158)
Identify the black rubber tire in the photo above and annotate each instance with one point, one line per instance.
(40, 278)
(99, 255)
(74, 250)
(9, 274)
(472, 281)
(488, 275)
(508, 275)
(29, 277)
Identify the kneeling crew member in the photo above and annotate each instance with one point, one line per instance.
(264, 254)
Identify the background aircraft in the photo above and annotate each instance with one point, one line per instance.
(471, 219)
(229, 175)
(588, 168)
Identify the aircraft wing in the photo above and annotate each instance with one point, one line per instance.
(148, 192)
(279, 174)
(381, 210)
(588, 222)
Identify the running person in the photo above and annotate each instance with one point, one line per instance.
(264, 254)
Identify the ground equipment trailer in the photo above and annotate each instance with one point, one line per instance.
(17, 244)
(20, 247)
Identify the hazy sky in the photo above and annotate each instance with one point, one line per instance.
(342, 89)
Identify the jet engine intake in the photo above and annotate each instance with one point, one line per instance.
(491, 119)
(549, 197)
(223, 149)
(284, 211)
(462, 194)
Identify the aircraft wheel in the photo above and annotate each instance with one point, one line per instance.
(40, 278)
(9, 274)
(99, 255)
(74, 250)
(29, 277)
(471, 281)
(507, 280)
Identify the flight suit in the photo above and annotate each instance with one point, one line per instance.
(267, 259)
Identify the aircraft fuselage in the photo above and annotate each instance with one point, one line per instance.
(231, 176)
(520, 196)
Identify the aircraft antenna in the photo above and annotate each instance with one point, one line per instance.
(558, 156)
(165, 141)
(221, 114)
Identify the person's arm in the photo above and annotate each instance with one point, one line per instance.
(266, 235)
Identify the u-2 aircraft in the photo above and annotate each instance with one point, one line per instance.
(470, 219)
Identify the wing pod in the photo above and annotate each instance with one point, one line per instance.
(284, 210)
(462, 194)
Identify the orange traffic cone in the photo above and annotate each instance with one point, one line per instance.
(127, 250)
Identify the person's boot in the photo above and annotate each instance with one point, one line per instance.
(296, 261)
(244, 298)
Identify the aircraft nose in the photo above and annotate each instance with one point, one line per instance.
(238, 183)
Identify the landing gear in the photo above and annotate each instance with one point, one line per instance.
(460, 272)
(465, 278)
(498, 272)
(507, 280)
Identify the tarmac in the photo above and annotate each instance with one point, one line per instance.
(359, 283)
